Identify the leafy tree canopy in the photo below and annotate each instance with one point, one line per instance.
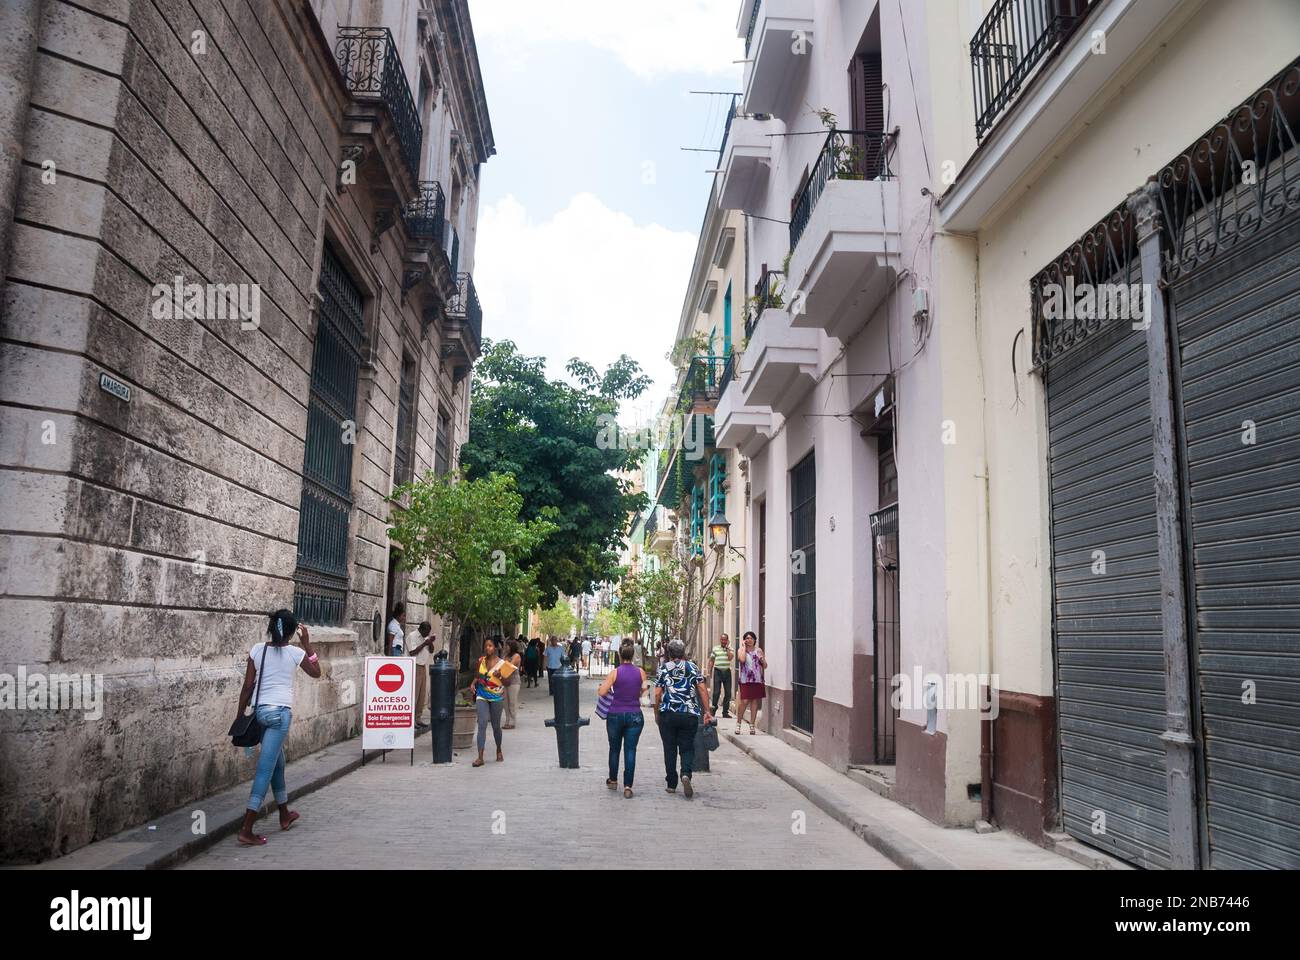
(464, 540)
(554, 437)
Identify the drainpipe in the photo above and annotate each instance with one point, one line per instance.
(986, 638)
(19, 23)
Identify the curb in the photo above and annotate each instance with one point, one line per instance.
(899, 848)
(169, 840)
(174, 855)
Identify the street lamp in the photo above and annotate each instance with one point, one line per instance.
(720, 529)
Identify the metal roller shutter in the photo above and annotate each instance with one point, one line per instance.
(1238, 331)
(1110, 660)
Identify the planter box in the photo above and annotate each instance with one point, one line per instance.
(463, 728)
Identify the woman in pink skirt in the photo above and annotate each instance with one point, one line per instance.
(752, 663)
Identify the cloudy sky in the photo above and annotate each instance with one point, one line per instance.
(590, 209)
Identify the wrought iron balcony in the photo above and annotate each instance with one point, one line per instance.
(1011, 41)
(753, 22)
(769, 294)
(702, 384)
(371, 67)
(465, 306)
(846, 155)
(426, 215)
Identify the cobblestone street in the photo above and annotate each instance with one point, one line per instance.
(393, 815)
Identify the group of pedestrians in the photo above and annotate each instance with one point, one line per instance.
(681, 699)
(681, 705)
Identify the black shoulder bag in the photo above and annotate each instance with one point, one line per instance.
(246, 731)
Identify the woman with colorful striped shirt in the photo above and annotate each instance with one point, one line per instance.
(488, 693)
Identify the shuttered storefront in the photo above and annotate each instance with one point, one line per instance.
(1110, 661)
(1219, 232)
(1237, 323)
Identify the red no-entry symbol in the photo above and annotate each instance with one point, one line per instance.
(389, 677)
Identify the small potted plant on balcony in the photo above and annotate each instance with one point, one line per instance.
(848, 160)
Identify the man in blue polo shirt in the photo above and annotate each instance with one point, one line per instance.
(554, 656)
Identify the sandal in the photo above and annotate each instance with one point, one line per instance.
(257, 841)
(500, 756)
(477, 763)
(293, 818)
(627, 793)
(611, 784)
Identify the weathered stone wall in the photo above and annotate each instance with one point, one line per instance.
(147, 540)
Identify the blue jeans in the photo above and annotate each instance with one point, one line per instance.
(624, 729)
(270, 762)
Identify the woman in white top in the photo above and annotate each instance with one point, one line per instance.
(272, 696)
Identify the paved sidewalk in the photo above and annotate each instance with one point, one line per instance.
(528, 813)
(903, 835)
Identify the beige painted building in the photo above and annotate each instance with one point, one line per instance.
(703, 484)
(1119, 732)
(1052, 548)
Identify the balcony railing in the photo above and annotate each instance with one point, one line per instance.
(465, 306)
(727, 375)
(368, 59)
(426, 215)
(753, 22)
(769, 294)
(1013, 39)
(846, 155)
(726, 130)
(702, 384)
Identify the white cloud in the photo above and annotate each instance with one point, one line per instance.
(589, 283)
(651, 38)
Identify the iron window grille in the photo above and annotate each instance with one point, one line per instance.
(442, 445)
(403, 462)
(321, 578)
(371, 67)
(846, 155)
(886, 626)
(803, 591)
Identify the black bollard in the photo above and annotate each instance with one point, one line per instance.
(701, 764)
(442, 706)
(567, 721)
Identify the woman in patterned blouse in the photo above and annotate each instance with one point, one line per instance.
(680, 694)
(488, 693)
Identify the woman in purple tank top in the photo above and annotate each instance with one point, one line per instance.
(624, 722)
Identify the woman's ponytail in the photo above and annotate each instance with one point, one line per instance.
(282, 627)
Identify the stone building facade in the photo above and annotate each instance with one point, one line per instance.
(237, 310)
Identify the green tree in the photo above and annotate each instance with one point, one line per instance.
(465, 539)
(557, 620)
(611, 622)
(651, 601)
(561, 443)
